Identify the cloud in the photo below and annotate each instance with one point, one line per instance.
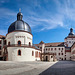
(46, 23)
(4, 1)
(6, 12)
(63, 16)
(43, 14)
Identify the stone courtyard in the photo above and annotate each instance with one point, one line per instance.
(37, 68)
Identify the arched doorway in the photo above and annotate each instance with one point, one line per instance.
(65, 58)
(46, 58)
(62, 58)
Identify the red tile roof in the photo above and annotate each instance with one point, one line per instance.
(2, 36)
(53, 44)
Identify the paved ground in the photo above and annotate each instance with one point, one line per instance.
(37, 68)
(23, 68)
(61, 68)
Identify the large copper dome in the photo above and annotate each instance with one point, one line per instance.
(19, 25)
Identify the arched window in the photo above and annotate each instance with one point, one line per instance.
(8, 43)
(0, 47)
(62, 53)
(29, 44)
(0, 53)
(51, 56)
(55, 48)
(46, 49)
(59, 48)
(19, 42)
(19, 52)
(62, 48)
(59, 53)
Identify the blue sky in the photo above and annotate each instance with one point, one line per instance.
(50, 20)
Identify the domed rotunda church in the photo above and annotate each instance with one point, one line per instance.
(19, 46)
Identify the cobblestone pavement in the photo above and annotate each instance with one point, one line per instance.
(37, 68)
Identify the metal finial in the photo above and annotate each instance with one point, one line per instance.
(19, 9)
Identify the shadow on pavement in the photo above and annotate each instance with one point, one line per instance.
(61, 68)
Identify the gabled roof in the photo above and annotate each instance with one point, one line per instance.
(41, 42)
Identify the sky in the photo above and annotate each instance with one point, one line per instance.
(50, 20)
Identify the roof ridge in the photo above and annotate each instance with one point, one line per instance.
(55, 42)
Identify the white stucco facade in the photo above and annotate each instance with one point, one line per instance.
(59, 51)
(68, 55)
(69, 41)
(14, 37)
(26, 54)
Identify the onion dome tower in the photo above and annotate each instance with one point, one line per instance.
(69, 40)
(71, 31)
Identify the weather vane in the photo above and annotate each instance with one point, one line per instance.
(19, 9)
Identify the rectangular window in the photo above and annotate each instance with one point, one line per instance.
(0, 47)
(36, 54)
(0, 41)
(39, 54)
(32, 53)
(0, 53)
(51, 49)
(48, 49)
